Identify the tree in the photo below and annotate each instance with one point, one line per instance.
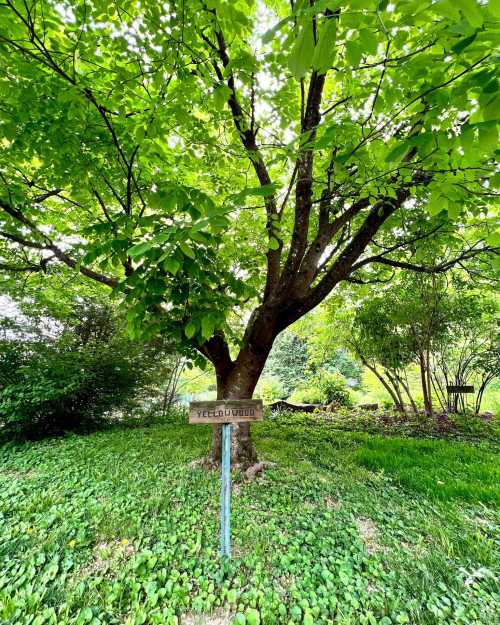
(350, 133)
(470, 354)
(384, 343)
(444, 326)
(288, 360)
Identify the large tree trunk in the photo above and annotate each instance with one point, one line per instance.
(239, 382)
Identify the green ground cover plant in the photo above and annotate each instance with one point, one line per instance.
(346, 528)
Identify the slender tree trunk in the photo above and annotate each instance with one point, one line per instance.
(392, 377)
(429, 385)
(384, 383)
(423, 378)
(171, 388)
(406, 388)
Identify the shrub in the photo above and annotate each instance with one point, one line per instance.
(50, 384)
(334, 387)
(57, 389)
(323, 388)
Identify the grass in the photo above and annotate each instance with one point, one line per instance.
(347, 528)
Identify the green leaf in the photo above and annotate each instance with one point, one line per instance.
(471, 12)
(270, 34)
(368, 41)
(463, 43)
(494, 8)
(325, 50)
(85, 615)
(491, 110)
(207, 326)
(397, 153)
(488, 135)
(454, 210)
(221, 95)
(172, 265)
(264, 190)
(301, 56)
(187, 250)
(252, 616)
(140, 249)
(494, 239)
(273, 243)
(495, 181)
(190, 330)
(353, 53)
(436, 204)
(308, 619)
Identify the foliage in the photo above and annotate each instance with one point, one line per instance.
(53, 383)
(209, 172)
(444, 326)
(325, 540)
(323, 388)
(304, 352)
(471, 355)
(270, 389)
(388, 422)
(341, 362)
(288, 360)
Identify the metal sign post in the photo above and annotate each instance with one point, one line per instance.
(225, 492)
(226, 412)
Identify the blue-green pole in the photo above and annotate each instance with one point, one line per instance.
(225, 492)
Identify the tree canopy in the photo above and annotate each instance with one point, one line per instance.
(223, 165)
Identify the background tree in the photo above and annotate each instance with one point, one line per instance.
(350, 132)
(445, 327)
(385, 346)
(470, 353)
(288, 360)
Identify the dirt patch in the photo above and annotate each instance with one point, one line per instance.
(368, 532)
(105, 554)
(332, 503)
(18, 475)
(217, 618)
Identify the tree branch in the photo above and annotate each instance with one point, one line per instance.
(441, 268)
(49, 245)
(249, 140)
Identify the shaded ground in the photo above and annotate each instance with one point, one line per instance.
(351, 529)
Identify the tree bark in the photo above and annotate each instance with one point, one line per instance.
(425, 390)
(238, 382)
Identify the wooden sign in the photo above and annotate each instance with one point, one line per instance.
(226, 411)
(460, 389)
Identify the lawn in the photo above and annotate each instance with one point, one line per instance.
(345, 528)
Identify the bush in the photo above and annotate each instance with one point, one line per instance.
(323, 388)
(334, 387)
(57, 389)
(50, 384)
